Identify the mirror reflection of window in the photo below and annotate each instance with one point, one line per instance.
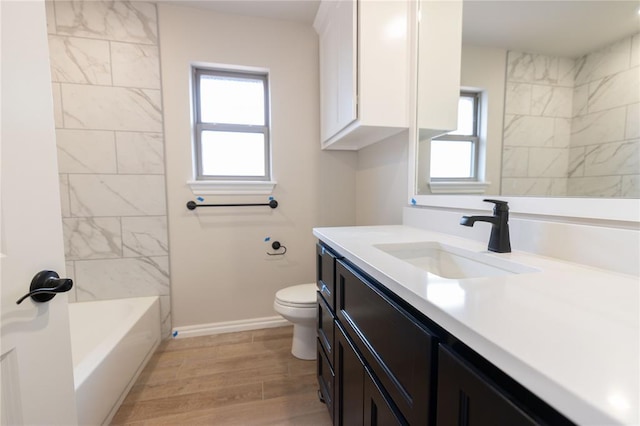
(455, 155)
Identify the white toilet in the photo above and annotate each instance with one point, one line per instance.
(298, 305)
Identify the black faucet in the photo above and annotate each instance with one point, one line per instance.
(499, 240)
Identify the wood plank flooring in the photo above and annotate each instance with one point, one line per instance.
(244, 378)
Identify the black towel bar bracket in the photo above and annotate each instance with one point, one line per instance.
(192, 205)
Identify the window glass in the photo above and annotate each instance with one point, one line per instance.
(454, 156)
(466, 116)
(231, 125)
(233, 154)
(232, 100)
(451, 159)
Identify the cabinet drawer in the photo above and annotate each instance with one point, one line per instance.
(326, 378)
(325, 327)
(465, 397)
(326, 274)
(403, 364)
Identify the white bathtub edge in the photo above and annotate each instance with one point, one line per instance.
(126, 390)
(228, 327)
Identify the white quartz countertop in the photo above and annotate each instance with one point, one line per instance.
(569, 333)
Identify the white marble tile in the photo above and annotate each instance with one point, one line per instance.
(79, 60)
(111, 108)
(566, 72)
(50, 16)
(515, 161)
(576, 161)
(531, 68)
(65, 203)
(561, 132)
(630, 186)
(140, 152)
(518, 98)
(131, 21)
(635, 51)
(86, 151)
(548, 162)
(617, 158)
(145, 236)
(542, 187)
(601, 186)
(135, 65)
(117, 195)
(632, 130)
(550, 101)
(580, 101)
(92, 238)
(57, 106)
(70, 273)
(121, 278)
(599, 127)
(614, 91)
(522, 130)
(607, 61)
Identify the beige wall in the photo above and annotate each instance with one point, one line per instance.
(381, 181)
(219, 266)
(483, 68)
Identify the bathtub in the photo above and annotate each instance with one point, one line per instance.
(111, 342)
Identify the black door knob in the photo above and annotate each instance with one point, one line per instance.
(45, 285)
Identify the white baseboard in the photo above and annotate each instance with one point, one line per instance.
(228, 327)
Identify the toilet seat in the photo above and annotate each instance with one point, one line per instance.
(297, 296)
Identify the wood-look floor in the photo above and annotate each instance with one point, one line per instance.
(245, 378)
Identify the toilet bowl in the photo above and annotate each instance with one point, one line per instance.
(297, 304)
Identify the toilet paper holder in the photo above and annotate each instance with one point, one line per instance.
(277, 246)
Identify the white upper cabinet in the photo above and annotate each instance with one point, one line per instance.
(364, 71)
(438, 68)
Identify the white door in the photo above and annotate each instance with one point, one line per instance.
(35, 352)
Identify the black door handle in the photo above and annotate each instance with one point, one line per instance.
(45, 285)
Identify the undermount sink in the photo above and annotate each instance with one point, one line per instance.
(452, 262)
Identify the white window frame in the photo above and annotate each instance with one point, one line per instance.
(471, 184)
(219, 184)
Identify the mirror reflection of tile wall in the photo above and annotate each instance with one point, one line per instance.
(571, 127)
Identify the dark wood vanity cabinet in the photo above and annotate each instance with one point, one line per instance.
(381, 362)
(467, 398)
(394, 346)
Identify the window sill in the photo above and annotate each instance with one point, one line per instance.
(458, 187)
(209, 187)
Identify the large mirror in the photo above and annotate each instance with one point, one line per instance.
(559, 99)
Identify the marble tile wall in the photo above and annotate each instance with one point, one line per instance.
(537, 126)
(605, 136)
(572, 126)
(105, 73)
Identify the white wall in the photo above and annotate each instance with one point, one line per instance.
(219, 266)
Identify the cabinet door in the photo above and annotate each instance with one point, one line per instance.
(397, 348)
(326, 379)
(325, 328)
(378, 410)
(349, 383)
(326, 274)
(465, 398)
(337, 36)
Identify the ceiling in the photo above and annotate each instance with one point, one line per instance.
(554, 27)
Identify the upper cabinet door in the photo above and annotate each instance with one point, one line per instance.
(336, 24)
(364, 71)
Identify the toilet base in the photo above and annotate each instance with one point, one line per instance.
(304, 341)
